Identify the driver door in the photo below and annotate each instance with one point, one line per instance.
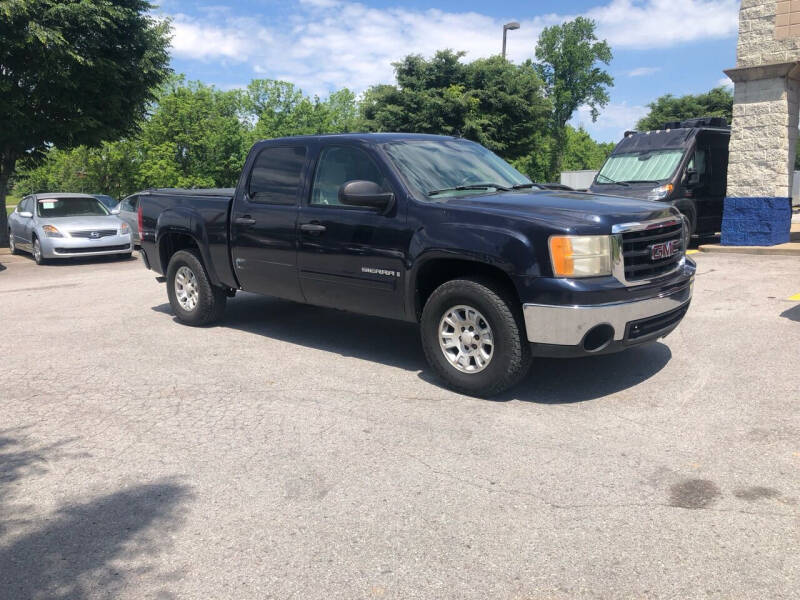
(349, 257)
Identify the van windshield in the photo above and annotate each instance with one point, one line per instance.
(452, 168)
(647, 166)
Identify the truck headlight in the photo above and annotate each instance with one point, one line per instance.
(660, 192)
(51, 231)
(124, 229)
(580, 255)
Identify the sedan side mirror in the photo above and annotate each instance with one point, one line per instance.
(115, 210)
(25, 214)
(365, 194)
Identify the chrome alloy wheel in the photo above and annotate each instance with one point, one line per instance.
(186, 288)
(37, 251)
(11, 245)
(466, 339)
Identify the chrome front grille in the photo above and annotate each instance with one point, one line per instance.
(635, 260)
(88, 233)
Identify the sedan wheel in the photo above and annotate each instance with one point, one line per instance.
(11, 245)
(37, 252)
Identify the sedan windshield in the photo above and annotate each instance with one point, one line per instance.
(635, 167)
(434, 169)
(70, 207)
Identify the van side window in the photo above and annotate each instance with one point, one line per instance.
(337, 166)
(275, 178)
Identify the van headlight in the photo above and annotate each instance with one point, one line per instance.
(580, 255)
(660, 192)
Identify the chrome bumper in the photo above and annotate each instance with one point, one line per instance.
(567, 325)
(68, 247)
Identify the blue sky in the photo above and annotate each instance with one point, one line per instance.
(660, 46)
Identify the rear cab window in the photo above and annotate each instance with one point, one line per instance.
(276, 175)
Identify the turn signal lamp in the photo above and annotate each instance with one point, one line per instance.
(660, 192)
(51, 231)
(580, 255)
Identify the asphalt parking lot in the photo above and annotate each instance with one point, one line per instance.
(300, 452)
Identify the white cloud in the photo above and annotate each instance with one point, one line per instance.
(642, 71)
(324, 44)
(725, 82)
(614, 120)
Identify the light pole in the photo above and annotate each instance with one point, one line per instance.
(506, 27)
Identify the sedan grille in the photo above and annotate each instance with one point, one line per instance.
(93, 233)
(652, 252)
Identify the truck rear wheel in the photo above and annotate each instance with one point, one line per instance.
(192, 297)
(473, 337)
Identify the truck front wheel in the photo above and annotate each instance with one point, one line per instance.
(473, 337)
(192, 297)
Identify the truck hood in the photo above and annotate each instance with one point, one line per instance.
(570, 212)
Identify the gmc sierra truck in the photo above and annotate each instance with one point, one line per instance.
(430, 229)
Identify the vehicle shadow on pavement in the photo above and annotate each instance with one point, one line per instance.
(793, 314)
(359, 336)
(83, 548)
(568, 380)
(386, 341)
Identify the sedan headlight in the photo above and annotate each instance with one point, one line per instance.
(51, 231)
(580, 255)
(660, 192)
(124, 229)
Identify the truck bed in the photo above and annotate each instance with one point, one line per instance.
(203, 214)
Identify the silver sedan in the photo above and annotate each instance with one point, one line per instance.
(53, 226)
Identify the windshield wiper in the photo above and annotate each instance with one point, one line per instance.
(640, 181)
(474, 186)
(607, 178)
(522, 186)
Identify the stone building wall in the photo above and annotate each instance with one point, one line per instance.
(765, 120)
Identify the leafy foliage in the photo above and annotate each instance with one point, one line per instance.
(568, 56)
(491, 101)
(74, 72)
(714, 103)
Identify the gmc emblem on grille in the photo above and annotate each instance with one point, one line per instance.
(664, 250)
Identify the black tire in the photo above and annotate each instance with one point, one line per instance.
(511, 354)
(11, 245)
(37, 252)
(210, 299)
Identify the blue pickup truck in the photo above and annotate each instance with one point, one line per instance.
(431, 229)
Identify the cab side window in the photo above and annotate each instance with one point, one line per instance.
(338, 165)
(276, 175)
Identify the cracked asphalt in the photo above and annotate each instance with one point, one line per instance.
(300, 452)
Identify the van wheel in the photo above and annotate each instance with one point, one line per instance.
(192, 297)
(474, 337)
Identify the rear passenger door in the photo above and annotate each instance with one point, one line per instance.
(264, 222)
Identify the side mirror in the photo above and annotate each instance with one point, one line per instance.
(115, 210)
(366, 194)
(692, 177)
(25, 214)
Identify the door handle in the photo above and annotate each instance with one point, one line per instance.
(312, 228)
(246, 220)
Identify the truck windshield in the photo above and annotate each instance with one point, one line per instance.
(452, 168)
(653, 165)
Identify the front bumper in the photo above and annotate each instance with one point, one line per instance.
(597, 328)
(67, 247)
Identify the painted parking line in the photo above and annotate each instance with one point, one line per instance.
(796, 297)
(692, 251)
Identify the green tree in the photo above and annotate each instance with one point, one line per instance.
(195, 137)
(582, 152)
(570, 58)
(714, 103)
(73, 72)
(492, 101)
